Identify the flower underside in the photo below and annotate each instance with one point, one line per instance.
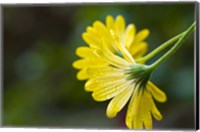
(109, 65)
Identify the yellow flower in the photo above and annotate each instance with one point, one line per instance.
(134, 43)
(111, 71)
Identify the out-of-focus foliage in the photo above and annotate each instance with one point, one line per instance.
(40, 86)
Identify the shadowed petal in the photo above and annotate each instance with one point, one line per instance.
(156, 92)
(119, 101)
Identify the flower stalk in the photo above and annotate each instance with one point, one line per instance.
(181, 37)
(160, 48)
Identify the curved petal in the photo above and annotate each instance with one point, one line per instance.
(155, 112)
(156, 92)
(119, 101)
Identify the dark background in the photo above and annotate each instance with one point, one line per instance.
(40, 88)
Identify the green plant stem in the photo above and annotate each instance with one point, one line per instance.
(174, 48)
(160, 48)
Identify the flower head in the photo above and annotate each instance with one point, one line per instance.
(110, 68)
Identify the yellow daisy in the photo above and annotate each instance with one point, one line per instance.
(109, 65)
(134, 42)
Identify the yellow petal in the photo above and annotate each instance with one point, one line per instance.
(119, 25)
(129, 35)
(93, 32)
(137, 124)
(140, 36)
(125, 53)
(148, 121)
(118, 102)
(110, 22)
(132, 109)
(82, 74)
(155, 112)
(106, 93)
(107, 79)
(139, 110)
(139, 50)
(111, 58)
(82, 63)
(102, 76)
(143, 112)
(91, 40)
(156, 92)
(100, 82)
(92, 37)
(101, 70)
(104, 34)
(85, 52)
(100, 28)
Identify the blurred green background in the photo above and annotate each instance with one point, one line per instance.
(40, 88)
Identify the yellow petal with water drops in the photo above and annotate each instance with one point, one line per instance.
(102, 81)
(98, 83)
(96, 71)
(119, 25)
(85, 52)
(155, 112)
(140, 36)
(129, 35)
(139, 111)
(106, 93)
(82, 74)
(119, 101)
(110, 22)
(156, 92)
(132, 109)
(143, 110)
(82, 63)
(148, 105)
(139, 50)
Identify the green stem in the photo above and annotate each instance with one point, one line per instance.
(160, 48)
(174, 48)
